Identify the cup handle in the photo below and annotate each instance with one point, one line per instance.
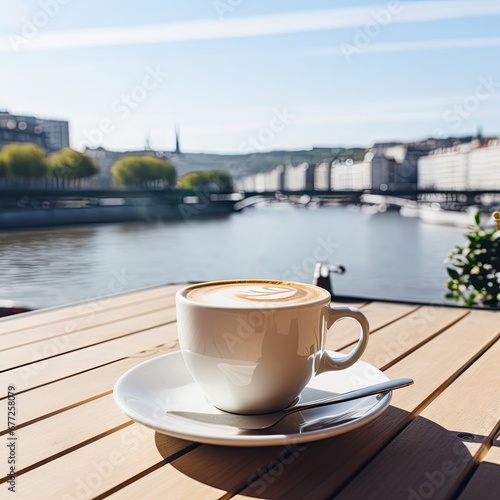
(334, 314)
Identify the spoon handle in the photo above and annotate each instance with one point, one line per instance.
(264, 421)
(388, 385)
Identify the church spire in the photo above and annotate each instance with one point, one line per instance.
(479, 135)
(177, 145)
(147, 145)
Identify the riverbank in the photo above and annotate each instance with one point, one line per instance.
(48, 208)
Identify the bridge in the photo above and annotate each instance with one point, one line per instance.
(50, 207)
(397, 197)
(33, 197)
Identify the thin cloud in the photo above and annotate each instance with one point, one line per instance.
(252, 26)
(344, 119)
(379, 118)
(455, 43)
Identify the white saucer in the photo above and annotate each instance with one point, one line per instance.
(148, 391)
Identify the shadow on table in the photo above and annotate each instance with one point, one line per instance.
(392, 455)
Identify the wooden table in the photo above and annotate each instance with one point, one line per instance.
(438, 439)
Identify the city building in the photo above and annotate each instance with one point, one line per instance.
(295, 177)
(484, 165)
(444, 168)
(474, 165)
(352, 176)
(323, 176)
(52, 135)
(394, 166)
(308, 177)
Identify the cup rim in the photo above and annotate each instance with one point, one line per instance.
(181, 294)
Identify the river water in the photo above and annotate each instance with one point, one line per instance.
(385, 255)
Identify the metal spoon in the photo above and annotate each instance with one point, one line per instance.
(264, 421)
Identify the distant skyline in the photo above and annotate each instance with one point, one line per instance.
(239, 76)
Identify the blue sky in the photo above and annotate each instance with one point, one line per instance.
(241, 75)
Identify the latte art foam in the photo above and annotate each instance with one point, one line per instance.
(255, 293)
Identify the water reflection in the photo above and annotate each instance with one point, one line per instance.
(35, 264)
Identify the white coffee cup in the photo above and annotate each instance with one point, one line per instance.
(253, 345)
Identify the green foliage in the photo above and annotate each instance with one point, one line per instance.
(71, 164)
(210, 180)
(24, 160)
(146, 171)
(475, 268)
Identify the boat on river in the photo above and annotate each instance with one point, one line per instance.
(430, 213)
(435, 214)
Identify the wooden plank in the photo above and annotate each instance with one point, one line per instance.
(379, 314)
(167, 482)
(344, 455)
(56, 346)
(76, 389)
(206, 472)
(51, 437)
(102, 464)
(360, 304)
(138, 451)
(446, 354)
(49, 370)
(434, 454)
(337, 457)
(471, 404)
(71, 326)
(401, 337)
(485, 482)
(82, 309)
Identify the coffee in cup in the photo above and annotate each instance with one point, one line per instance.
(253, 345)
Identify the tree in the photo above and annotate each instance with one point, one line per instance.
(146, 171)
(208, 180)
(69, 164)
(475, 268)
(24, 160)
